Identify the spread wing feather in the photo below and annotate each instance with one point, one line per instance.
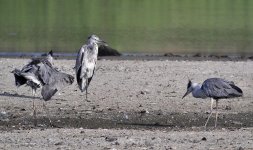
(53, 79)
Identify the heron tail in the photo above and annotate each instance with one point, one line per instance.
(238, 92)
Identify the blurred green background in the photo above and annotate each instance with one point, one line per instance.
(157, 26)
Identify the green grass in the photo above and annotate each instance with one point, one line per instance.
(182, 26)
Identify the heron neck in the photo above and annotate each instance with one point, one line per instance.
(92, 45)
(198, 92)
(50, 59)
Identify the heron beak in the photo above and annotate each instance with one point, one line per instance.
(101, 42)
(187, 92)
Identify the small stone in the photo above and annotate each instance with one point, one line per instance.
(144, 112)
(58, 143)
(228, 108)
(237, 123)
(240, 148)
(159, 113)
(203, 139)
(81, 131)
(3, 113)
(144, 92)
(110, 139)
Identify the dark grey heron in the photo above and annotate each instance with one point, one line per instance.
(86, 62)
(214, 88)
(40, 73)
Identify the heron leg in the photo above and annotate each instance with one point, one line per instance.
(216, 116)
(34, 108)
(211, 112)
(46, 110)
(86, 90)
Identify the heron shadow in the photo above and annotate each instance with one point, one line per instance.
(7, 94)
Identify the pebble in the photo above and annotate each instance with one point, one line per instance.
(204, 139)
(110, 139)
(58, 143)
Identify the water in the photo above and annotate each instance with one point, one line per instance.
(185, 26)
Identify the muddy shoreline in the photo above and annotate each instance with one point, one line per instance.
(129, 99)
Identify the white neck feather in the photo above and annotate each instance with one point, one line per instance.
(197, 91)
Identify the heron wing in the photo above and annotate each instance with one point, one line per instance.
(57, 81)
(53, 79)
(19, 79)
(27, 75)
(220, 88)
(45, 72)
(93, 72)
(80, 58)
(60, 80)
(78, 65)
(47, 92)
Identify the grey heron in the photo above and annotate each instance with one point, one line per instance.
(214, 88)
(39, 72)
(86, 62)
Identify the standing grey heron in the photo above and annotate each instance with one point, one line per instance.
(86, 62)
(214, 88)
(39, 72)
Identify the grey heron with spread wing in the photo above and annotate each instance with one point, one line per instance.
(86, 62)
(214, 88)
(40, 73)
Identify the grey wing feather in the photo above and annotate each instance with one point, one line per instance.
(89, 79)
(78, 67)
(27, 75)
(53, 80)
(220, 88)
(80, 57)
(19, 79)
(47, 92)
(51, 76)
(81, 68)
(61, 80)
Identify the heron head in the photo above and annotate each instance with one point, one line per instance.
(189, 88)
(50, 53)
(50, 56)
(95, 39)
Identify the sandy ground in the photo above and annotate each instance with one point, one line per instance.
(132, 104)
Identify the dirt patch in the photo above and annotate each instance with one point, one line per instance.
(137, 98)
